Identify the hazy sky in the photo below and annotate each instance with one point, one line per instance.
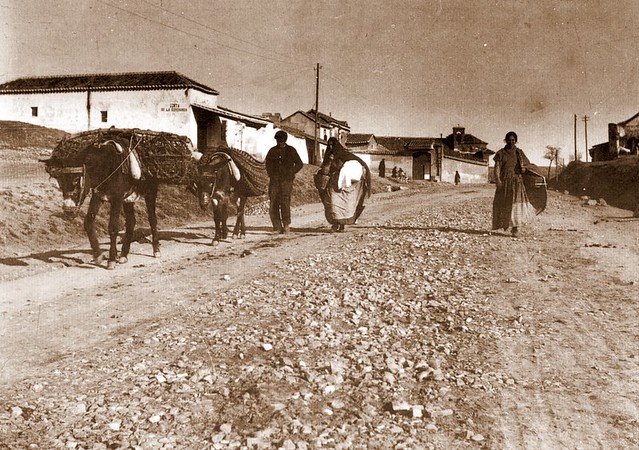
(402, 68)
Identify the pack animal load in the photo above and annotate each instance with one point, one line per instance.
(229, 176)
(165, 157)
(253, 176)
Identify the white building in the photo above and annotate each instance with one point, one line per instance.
(159, 101)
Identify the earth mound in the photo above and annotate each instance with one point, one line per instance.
(617, 181)
(17, 135)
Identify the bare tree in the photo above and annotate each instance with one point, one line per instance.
(552, 154)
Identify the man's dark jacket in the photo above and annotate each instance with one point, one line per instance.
(282, 163)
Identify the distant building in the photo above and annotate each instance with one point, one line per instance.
(159, 101)
(426, 158)
(304, 122)
(623, 139)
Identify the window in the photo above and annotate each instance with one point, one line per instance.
(34, 111)
(105, 116)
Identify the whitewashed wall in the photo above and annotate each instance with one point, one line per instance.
(159, 110)
(63, 111)
(468, 172)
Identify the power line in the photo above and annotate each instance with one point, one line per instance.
(193, 34)
(217, 31)
(352, 91)
(273, 77)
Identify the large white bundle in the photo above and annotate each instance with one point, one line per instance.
(351, 172)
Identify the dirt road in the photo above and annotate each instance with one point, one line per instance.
(416, 328)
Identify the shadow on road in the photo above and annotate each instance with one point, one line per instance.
(442, 229)
(65, 257)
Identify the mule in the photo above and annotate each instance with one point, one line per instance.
(220, 184)
(108, 171)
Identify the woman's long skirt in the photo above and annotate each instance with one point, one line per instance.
(343, 206)
(511, 206)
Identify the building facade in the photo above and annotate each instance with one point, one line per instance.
(158, 101)
(328, 127)
(435, 159)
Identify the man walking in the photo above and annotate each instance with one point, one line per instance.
(282, 163)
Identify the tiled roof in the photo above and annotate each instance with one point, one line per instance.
(104, 82)
(299, 133)
(625, 122)
(380, 150)
(423, 143)
(252, 121)
(395, 144)
(467, 139)
(327, 118)
(358, 139)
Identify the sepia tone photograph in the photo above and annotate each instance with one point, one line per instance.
(339, 224)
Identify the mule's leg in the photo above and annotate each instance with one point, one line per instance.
(114, 228)
(129, 221)
(89, 228)
(240, 226)
(217, 220)
(150, 200)
(224, 217)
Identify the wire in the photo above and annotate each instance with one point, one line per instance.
(193, 34)
(271, 77)
(352, 90)
(217, 31)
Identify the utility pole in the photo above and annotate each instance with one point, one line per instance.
(316, 147)
(586, 119)
(575, 136)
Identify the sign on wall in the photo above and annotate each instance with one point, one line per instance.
(173, 107)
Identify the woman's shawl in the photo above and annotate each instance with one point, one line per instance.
(336, 156)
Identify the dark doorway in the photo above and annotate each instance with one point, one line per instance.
(421, 166)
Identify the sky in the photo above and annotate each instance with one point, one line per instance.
(387, 67)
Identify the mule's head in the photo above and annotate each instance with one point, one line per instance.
(212, 179)
(204, 185)
(70, 180)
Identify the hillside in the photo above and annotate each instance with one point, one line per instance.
(20, 135)
(616, 182)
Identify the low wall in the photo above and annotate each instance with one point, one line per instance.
(469, 172)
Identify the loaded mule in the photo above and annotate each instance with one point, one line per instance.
(227, 177)
(110, 170)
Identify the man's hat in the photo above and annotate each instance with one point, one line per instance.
(281, 136)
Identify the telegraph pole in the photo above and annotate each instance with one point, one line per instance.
(316, 147)
(586, 119)
(575, 137)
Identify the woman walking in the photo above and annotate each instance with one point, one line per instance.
(511, 206)
(343, 182)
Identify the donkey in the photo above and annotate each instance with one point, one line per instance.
(221, 184)
(112, 173)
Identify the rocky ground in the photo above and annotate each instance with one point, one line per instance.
(417, 328)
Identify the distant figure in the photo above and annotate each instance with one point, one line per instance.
(457, 177)
(511, 207)
(382, 168)
(394, 173)
(282, 163)
(401, 175)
